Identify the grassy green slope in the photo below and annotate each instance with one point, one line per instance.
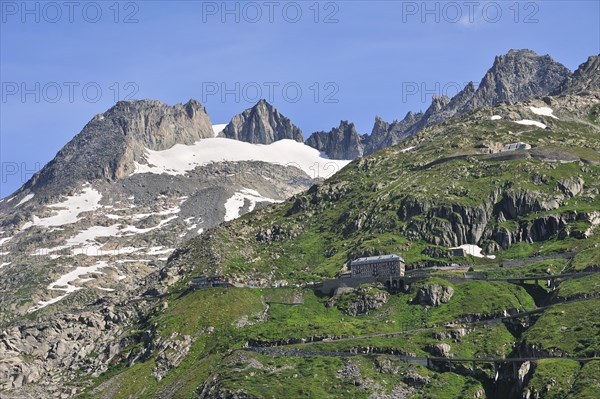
(362, 210)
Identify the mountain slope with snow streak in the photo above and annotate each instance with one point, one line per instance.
(132, 225)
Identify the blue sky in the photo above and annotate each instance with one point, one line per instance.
(317, 62)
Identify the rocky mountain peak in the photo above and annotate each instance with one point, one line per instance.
(262, 124)
(469, 88)
(411, 117)
(110, 144)
(386, 134)
(159, 126)
(516, 76)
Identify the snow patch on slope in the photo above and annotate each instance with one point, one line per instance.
(67, 212)
(496, 117)
(136, 230)
(474, 250)
(86, 238)
(25, 199)
(64, 283)
(529, 122)
(545, 111)
(158, 250)
(234, 205)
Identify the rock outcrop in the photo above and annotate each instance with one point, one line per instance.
(262, 124)
(440, 350)
(434, 294)
(517, 76)
(358, 301)
(342, 142)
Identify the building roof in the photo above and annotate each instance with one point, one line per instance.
(376, 259)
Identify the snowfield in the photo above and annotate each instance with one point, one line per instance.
(181, 159)
(218, 128)
(496, 117)
(234, 205)
(135, 230)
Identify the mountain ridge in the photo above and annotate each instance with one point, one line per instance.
(516, 76)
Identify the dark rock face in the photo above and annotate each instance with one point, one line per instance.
(262, 124)
(342, 142)
(109, 144)
(585, 79)
(454, 225)
(458, 102)
(386, 134)
(517, 76)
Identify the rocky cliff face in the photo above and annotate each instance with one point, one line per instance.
(262, 124)
(386, 134)
(457, 224)
(342, 142)
(585, 79)
(434, 294)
